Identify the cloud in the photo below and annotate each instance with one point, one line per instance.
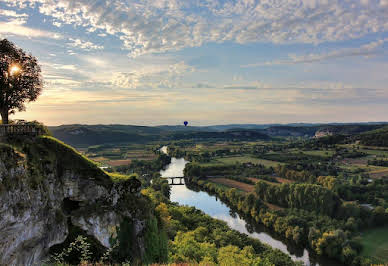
(57, 24)
(12, 28)
(364, 50)
(13, 22)
(152, 76)
(99, 72)
(60, 66)
(84, 45)
(12, 14)
(149, 26)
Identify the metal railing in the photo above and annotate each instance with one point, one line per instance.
(20, 129)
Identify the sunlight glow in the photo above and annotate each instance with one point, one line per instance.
(14, 70)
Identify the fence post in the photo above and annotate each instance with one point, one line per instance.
(9, 129)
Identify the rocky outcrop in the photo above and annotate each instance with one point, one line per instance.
(38, 197)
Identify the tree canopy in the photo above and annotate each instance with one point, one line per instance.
(20, 79)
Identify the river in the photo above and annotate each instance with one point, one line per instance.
(212, 206)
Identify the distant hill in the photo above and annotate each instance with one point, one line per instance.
(185, 129)
(354, 129)
(291, 131)
(79, 135)
(378, 137)
(87, 135)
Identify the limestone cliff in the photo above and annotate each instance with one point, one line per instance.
(44, 186)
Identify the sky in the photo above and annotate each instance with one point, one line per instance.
(153, 62)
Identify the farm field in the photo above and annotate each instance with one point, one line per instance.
(234, 184)
(119, 155)
(247, 159)
(375, 244)
(119, 162)
(379, 173)
(258, 179)
(362, 163)
(323, 153)
(377, 152)
(283, 180)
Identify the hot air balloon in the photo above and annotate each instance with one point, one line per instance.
(185, 123)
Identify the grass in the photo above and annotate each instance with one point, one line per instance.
(322, 153)
(222, 185)
(370, 150)
(375, 152)
(375, 244)
(233, 184)
(246, 159)
(117, 177)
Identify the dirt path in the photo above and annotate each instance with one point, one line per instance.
(279, 179)
(283, 180)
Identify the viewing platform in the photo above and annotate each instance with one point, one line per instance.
(20, 129)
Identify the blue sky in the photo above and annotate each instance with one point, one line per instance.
(153, 62)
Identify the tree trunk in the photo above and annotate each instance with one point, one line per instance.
(4, 116)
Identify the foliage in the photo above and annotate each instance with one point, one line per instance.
(117, 177)
(202, 239)
(77, 247)
(323, 234)
(147, 168)
(20, 79)
(233, 171)
(301, 196)
(377, 137)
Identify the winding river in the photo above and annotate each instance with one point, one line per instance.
(212, 206)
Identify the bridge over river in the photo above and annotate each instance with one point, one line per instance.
(175, 181)
(212, 206)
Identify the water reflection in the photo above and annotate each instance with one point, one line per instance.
(175, 168)
(217, 209)
(210, 205)
(164, 149)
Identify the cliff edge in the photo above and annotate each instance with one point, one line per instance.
(47, 187)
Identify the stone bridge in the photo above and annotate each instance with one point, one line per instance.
(175, 181)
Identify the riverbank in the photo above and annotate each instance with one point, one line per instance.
(191, 196)
(298, 226)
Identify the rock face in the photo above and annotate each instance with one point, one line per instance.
(38, 197)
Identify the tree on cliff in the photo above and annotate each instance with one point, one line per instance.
(20, 79)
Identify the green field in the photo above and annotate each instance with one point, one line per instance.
(247, 159)
(375, 244)
(322, 153)
(375, 152)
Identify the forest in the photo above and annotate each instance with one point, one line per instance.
(328, 195)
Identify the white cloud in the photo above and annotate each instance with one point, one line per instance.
(14, 28)
(12, 14)
(152, 76)
(13, 24)
(60, 66)
(147, 26)
(84, 45)
(364, 50)
(57, 24)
